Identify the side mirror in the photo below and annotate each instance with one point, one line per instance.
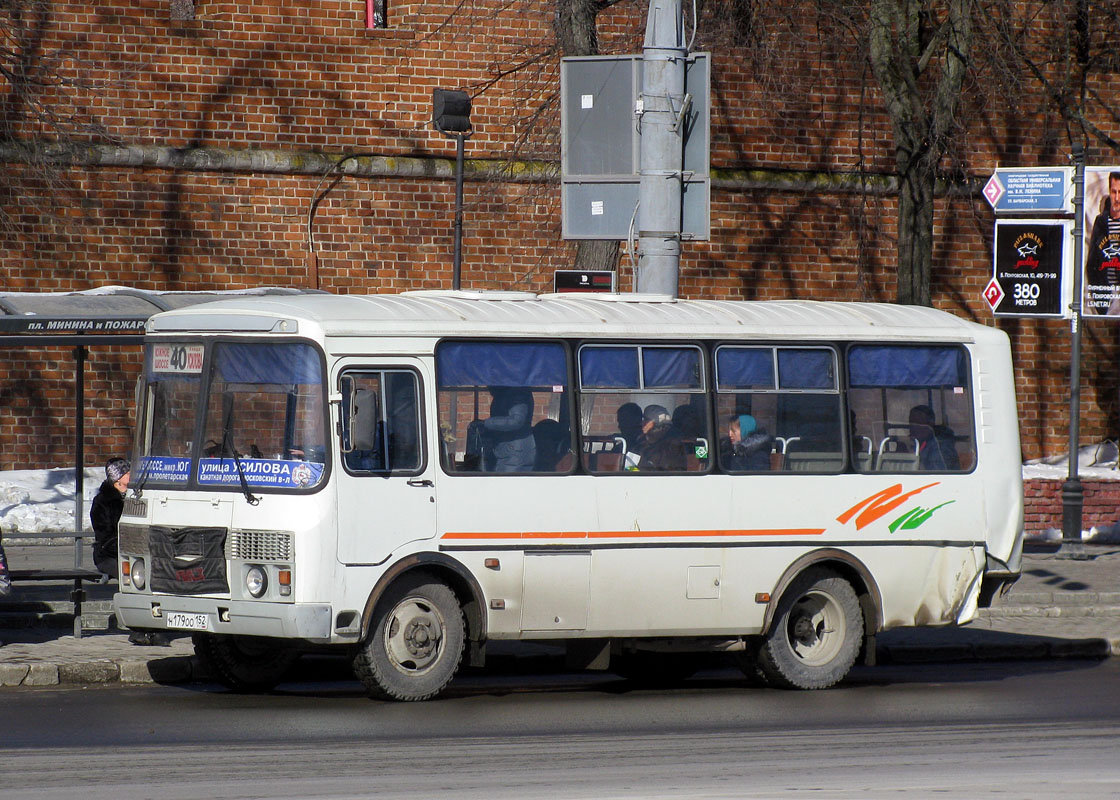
(360, 413)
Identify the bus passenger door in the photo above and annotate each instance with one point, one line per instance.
(385, 488)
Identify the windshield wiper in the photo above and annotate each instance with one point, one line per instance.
(227, 441)
(142, 478)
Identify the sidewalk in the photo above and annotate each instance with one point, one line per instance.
(1060, 608)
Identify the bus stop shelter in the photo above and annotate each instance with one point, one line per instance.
(107, 316)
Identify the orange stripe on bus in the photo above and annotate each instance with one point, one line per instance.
(487, 535)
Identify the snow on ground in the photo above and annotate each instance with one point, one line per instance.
(38, 501)
(42, 500)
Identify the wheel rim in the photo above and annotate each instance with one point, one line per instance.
(414, 635)
(816, 629)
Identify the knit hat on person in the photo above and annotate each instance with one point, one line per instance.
(747, 424)
(117, 468)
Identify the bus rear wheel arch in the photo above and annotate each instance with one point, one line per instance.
(816, 632)
(416, 640)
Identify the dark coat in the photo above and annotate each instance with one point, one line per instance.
(104, 514)
(662, 450)
(508, 444)
(751, 454)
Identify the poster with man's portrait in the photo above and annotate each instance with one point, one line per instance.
(1101, 279)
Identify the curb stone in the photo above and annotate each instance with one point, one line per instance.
(13, 674)
(41, 675)
(172, 669)
(89, 672)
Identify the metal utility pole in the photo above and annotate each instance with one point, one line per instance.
(661, 114)
(1072, 491)
(451, 116)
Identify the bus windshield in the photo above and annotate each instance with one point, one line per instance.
(232, 414)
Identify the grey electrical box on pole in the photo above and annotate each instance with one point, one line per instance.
(600, 147)
(635, 141)
(664, 105)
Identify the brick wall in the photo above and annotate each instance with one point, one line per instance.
(304, 77)
(1042, 499)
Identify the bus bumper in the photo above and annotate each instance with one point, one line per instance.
(308, 621)
(999, 576)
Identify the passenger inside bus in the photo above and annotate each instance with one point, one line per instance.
(553, 446)
(661, 445)
(507, 434)
(935, 444)
(629, 418)
(747, 447)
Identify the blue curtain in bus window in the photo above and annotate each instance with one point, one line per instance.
(608, 368)
(267, 363)
(744, 368)
(901, 367)
(473, 364)
(805, 369)
(671, 367)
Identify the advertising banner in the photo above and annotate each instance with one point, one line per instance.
(1101, 279)
(271, 472)
(1031, 276)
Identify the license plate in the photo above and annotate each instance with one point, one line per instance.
(188, 622)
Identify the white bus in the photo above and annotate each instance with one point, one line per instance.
(409, 477)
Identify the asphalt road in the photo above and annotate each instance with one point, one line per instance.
(1010, 730)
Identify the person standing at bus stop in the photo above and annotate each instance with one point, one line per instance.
(106, 512)
(105, 515)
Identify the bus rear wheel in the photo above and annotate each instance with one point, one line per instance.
(417, 641)
(816, 633)
(244, 663)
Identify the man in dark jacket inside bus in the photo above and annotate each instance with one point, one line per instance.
(660, 443)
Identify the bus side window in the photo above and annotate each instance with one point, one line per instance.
(380, 421)
(780, 408)
(914, 404)
(504, 406)
(643, 408)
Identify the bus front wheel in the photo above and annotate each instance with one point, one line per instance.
(244, 663)
(816, 633)
(417, 641)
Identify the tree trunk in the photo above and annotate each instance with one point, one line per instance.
(915, 235)
(904, 40)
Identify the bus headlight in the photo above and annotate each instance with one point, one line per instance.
(256, 581)
(139, 574)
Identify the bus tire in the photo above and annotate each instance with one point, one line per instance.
(244, 663)
(816, 633)
(747, 662)
(416, 643)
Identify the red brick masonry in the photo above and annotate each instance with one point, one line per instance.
(1042, 504)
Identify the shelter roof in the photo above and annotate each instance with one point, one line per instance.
(70, 317)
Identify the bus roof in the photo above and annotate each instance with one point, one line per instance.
(486, 313)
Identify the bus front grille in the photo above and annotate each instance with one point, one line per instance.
(247, 545)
